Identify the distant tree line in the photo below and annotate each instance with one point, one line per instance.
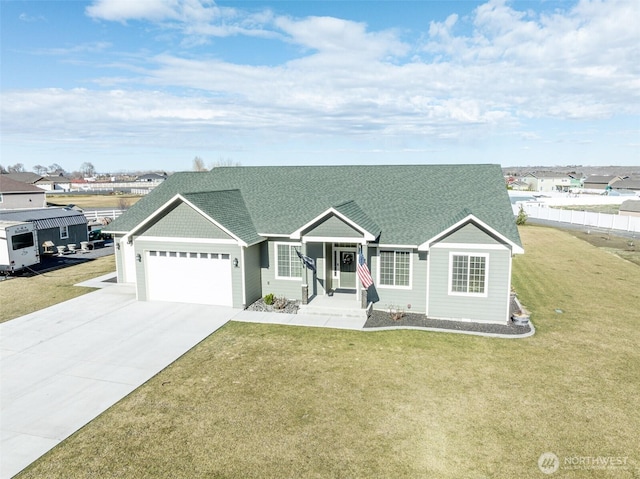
(86, 170)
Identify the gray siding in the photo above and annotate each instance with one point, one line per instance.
(400, 297)
(289, 288)
(253, 280)
(333, 227)
(185, 222)
(492, 308)
(141, 247)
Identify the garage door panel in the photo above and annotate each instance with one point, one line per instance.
(188, 277)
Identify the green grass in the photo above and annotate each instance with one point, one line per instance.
(259, 401)
(24, 295)
(608, 209)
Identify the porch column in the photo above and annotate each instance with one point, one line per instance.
(305, 277)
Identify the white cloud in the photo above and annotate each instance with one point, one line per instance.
(337, 37)
(123, 10)
(24, 17)
(351, 82)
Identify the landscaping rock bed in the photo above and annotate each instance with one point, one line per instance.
(382, 319)
(291, 307)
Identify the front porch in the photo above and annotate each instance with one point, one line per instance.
(340, 303)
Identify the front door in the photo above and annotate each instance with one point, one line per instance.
(345, 267)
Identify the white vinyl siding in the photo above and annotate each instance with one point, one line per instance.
(468, 274)
(288, 265)
(395, 268)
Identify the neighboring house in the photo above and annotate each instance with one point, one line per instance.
(16, 194)
(630, 208)
(518, 185)
(600, 182)
(629, 184)
(433, 244)
(24, 177)
(547, 182)
(54, 183)
(55, 226)
(152, 178)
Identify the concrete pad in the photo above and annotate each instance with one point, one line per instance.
(63, 366)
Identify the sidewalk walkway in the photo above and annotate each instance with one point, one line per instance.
(63, 366)
(317, 320)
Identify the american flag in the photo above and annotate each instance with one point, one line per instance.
(363, 272)
(308, 262)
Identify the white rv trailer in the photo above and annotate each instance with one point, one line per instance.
(18, 246)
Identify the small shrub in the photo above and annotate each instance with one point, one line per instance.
(269, 299)
(396, 313)
(522, 217)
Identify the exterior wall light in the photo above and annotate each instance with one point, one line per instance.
(139, 258)
(235, 262)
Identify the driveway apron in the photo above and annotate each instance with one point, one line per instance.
(62, 366)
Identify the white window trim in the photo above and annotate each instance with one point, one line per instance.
(64, 232)
(486, 274)
(275, 249)
(392, 286)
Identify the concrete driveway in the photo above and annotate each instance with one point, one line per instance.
(63, 366)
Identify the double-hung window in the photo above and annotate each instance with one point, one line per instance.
(288, 264)
(64, 232)
(395, 268)
(468, 274)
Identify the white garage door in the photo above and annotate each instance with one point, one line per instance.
(188, 277)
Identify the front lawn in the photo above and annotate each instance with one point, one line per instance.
(259, 401)
(24, 295)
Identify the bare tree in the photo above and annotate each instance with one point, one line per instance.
(2, 170)
(17, 168)
(39, 169)
(87, 169)
(198, 164)
(56, 169)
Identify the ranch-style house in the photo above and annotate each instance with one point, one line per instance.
(437, 239)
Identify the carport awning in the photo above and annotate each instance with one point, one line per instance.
(47, 223)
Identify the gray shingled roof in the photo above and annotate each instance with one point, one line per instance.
(352, 210)
(408, 203)
(630, 205)
(227, 208)
(45, 218)
(10, 185)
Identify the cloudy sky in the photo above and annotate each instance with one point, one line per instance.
(151, 84)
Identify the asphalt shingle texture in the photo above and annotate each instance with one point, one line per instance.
(409, 204)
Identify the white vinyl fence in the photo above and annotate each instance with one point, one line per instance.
(101, 214)
(584, 218)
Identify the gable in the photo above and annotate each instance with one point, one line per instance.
(469, 234)
(185, 222)
(333, 227)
